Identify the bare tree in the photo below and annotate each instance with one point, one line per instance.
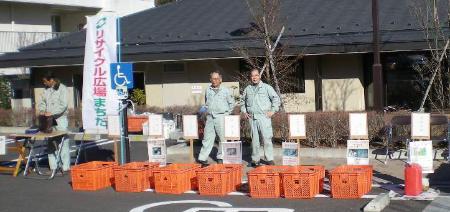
(274, 64)
(434, 74)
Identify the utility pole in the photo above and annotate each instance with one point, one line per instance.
(377, 70)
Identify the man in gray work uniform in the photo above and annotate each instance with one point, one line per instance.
(219, 103)
(258, 103)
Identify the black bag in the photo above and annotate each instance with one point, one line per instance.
(46, 124)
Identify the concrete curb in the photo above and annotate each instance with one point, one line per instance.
(314, 152)
(378, 204)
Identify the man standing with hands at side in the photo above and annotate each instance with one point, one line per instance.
(258, 103)
(219, 103)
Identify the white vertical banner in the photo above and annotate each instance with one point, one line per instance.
(2, 145)
(99, 100)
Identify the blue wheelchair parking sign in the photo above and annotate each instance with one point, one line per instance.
(121, 75)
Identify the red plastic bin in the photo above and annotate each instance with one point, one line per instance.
(265, 181)
(176, 178)
(134, 177)
(350, 181)
(92, 176)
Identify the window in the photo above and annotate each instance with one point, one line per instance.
(56, 23)
(174, 68)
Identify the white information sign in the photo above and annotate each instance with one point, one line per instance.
(358, 152)
(113, 126)
(155, 125)
(3, 145)
(232, 152)
(421, 152)
(420, 125)
(190, 127)
(197, 89)
(358, 126)
(157, 151)
(297, 127)
(232, 127)
(290, 153)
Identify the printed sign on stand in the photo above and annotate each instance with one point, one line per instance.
(232, 152)
(358, 126)
(155, 126)
(297, 128)
(232, 127)
(358, 152)
(290, 153)
(421, 152)
(420, 126)
(2, 145)
(157, 151)
(190, 127)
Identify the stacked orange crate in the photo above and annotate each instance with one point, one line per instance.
(265, 181)
(92, 176)
(134, 177)
(176, 178)
(301, 182)
(350, 181)
(215, 180)
(321, 170)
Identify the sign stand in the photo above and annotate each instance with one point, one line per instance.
(297, 132)
(359, 140)
(232, 136)
(422, 151)
(190, 131)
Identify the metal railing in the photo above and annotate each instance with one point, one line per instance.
(11, 41)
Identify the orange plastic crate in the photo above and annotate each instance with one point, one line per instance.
(92, 176)
(134, 177)
(216, 180)
(320, 169)
(265, 181)
(350, 181)
(236, 175)
(135, 123)
(176, 178)
(301, 182)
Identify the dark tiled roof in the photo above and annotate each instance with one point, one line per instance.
(190, 29)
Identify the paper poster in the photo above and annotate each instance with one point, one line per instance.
(232, 152)
(358, 152)
(155, 125)
(290, 153)
(190, 127)
(197, 89)
(232, 127)
(2, 145)
(420, 125)
(421, 152)
(297, 127)
(113, 126)
(358, 126)
(157, 151)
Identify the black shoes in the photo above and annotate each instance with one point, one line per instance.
(271, 163)
(219, 161)
(203, 163)
(255, 164)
